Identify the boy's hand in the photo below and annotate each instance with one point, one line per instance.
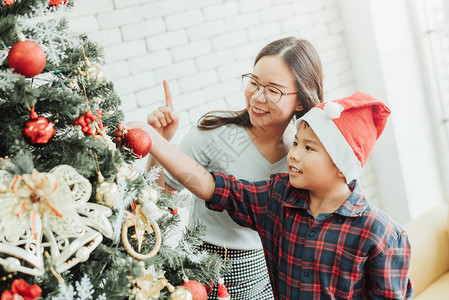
(164, 119)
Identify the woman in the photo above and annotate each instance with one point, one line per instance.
(250, 144)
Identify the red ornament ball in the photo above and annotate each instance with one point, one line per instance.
(38, 130)
(57, 2)
(27, 58)
(138, 140)
(197, 289)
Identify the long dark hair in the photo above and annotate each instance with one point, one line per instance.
(305, 64)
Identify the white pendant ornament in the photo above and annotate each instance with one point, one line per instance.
(149, 194)
(152, 212)
(148, 199)
(41, 210)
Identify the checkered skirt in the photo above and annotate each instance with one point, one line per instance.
(248, 279)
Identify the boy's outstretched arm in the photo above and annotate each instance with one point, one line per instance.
(188, 172)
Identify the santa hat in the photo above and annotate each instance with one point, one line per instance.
(348, 129)
(222, 291)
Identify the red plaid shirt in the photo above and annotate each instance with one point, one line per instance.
(356, 252)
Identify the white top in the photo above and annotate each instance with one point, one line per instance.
(230, 150)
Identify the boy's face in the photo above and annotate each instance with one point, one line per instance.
(309, 165)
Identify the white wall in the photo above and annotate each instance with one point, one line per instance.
(203, 46)
(385, 62)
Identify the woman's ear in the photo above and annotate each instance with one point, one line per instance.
(299, 107)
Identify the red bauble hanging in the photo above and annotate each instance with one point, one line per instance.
(27, 58)
(138, 140)
(197, 289)
(57, 2)
(38, 131)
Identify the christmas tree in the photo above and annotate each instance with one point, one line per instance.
(76, 220)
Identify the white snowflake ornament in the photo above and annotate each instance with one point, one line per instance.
(41, 210)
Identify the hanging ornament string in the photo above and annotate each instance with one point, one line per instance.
(107, 191)
(85, 94)
(222, 291)
(52, 269)
(97, 165)
(79, 70)
(93, 72)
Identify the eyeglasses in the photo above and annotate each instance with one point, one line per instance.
(271, 93)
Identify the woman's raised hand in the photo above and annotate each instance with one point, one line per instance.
(164, 119)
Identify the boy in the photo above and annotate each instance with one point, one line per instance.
(321, 238)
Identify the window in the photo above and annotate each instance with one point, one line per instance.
(431, 20)
(433, 23)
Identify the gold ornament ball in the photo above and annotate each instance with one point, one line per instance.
(107, 193)
(95, 72)
(181, 293)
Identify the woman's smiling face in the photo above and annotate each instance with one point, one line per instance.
(271, 70)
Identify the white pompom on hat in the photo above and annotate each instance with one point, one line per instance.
(348, 128)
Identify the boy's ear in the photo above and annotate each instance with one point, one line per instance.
(340, 174)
